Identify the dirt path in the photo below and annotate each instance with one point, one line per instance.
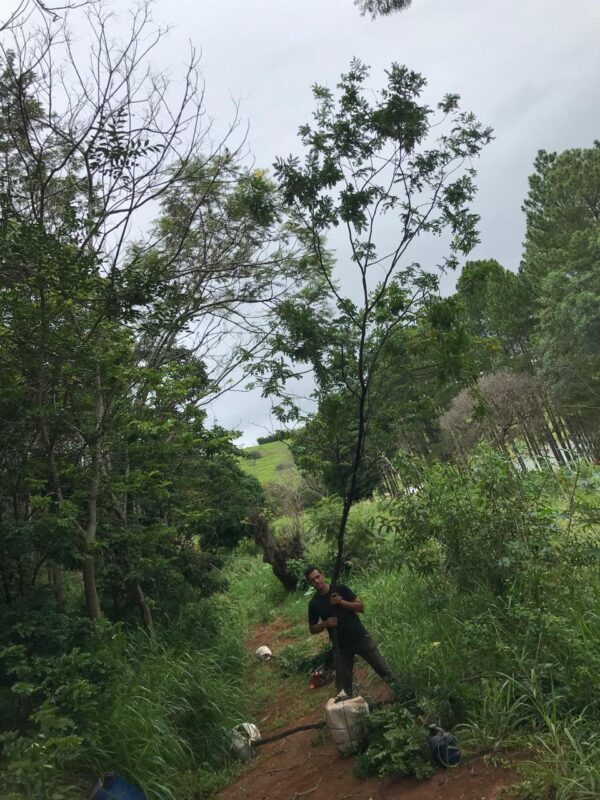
(307, 765)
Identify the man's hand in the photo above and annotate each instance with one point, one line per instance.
(331, 622)
(356, 605)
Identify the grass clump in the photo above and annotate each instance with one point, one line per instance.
(254, 589)
(170, 718)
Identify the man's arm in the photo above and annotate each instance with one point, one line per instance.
(356, 605)
(319, 627)
(314, 626)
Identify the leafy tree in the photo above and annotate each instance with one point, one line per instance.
(102, 384)
(369, 159)
(74, 174)
(563, 200)
(219, 258)
(568, 333)
(148, 474)
(499, 314)
(503, 407)
(381, 7)
(420, 367)
(561, 267)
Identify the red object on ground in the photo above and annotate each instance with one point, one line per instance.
(320, 677)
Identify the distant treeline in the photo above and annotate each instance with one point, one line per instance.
(277, 436)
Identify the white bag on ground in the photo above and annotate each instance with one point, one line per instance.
(342, 723)
(263, 653)
(242, 737)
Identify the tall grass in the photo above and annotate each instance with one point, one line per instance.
(253, 588)
(169, 719)
(168, 714)
(157, 712)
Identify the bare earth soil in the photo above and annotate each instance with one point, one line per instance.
(307, 765)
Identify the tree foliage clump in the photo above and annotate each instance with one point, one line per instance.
(561, 265)
(382, 7)
(504, 408)
(113, 342)
(541, 321)
(396, 745)
(117, 497)
(480, 523)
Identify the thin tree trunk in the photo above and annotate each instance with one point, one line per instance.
(140, 601)
(573, 437)
(558, 430)
(549, 436)
(57, 574)
(350, 492)
(5, 582)
(515, 454)
(532, 447)
(92, 600)
(587, 444)
(21, 579)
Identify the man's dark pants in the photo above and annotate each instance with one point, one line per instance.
(344, 663)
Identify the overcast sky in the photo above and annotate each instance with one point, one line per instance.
(528, 68)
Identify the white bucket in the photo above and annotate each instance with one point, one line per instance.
(342, 723)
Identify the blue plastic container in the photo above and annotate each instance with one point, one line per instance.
(111, 787)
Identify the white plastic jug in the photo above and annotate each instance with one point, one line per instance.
(342, 723)
(242, 738)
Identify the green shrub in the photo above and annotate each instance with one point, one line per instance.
(156, 712)
(170, 715)
(397, 745)
(37, 766)
(486, 518)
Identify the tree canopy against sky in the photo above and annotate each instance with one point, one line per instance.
(368, 157)
(383, 7)
(108, 459)
(561, 268)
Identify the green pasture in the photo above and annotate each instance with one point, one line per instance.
(270, 463)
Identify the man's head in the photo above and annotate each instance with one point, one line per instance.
(315, 578)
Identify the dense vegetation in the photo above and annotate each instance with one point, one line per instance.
(449, 470)
(482, 588)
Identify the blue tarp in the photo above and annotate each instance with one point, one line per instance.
(111, 787)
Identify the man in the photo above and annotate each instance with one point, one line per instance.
(336, 608)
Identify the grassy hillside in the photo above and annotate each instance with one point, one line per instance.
(270, 463)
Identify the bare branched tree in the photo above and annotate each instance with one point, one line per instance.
(506, 409)
(26, 9)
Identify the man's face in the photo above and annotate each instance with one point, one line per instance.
(316, 580)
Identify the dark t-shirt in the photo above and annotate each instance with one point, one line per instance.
(350, 629)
